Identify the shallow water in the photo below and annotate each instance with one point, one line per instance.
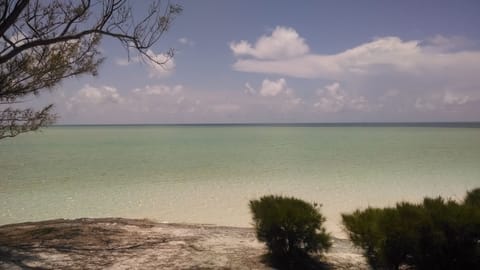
(207, 174)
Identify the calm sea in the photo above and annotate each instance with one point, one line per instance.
(207, 174)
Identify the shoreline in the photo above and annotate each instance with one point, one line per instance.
(119, 243)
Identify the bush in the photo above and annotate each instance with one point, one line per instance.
(290, 227)
(435, 234)
(473, 197)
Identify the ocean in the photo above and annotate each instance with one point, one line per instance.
(208, 173)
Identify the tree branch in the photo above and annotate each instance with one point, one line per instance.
(85, 6)
(16, 121)
(12, 18)
(43, 42)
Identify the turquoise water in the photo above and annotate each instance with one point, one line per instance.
(207, 174)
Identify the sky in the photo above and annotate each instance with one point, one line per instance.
(285, 62)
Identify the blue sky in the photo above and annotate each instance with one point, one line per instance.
(280, 61)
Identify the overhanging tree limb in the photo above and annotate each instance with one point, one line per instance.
(46, 42)
(42, 42)
(16, 121)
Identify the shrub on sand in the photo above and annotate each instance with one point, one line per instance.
(291, 228)
(434, 234)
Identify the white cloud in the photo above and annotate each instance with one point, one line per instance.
(249, 89)
(126, 61)
(423, 104)
(387, 54)
(273, 88)
(386, 73)
(96, 95)
(440, 43)
(123, 61)
(276, 96)
(284, 42)
(160, 90)
(270, 88)
(186, 41)
(455, 99)
(164, 67)
(332, 98)
(160, 65)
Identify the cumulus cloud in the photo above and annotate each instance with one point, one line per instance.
(283, 43)
(386, 54)
(385, 79)
(160, 65)
(270, 88)
(96, 95)
(273, 88)
(107, 98)
(276, 96)
(332, 98)
(152, 103)
(386, 73)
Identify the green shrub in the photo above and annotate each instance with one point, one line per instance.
(363, 231)
(290, 227)
(435, 234)
(473, 197)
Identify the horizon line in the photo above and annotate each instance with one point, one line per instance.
(399, 124)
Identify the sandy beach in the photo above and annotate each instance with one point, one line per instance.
(116, 243)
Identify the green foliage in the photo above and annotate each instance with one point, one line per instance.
(435, 234)
(290, 227)
(473, 197)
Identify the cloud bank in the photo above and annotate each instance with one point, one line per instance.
(384, 74)
(383, 79)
